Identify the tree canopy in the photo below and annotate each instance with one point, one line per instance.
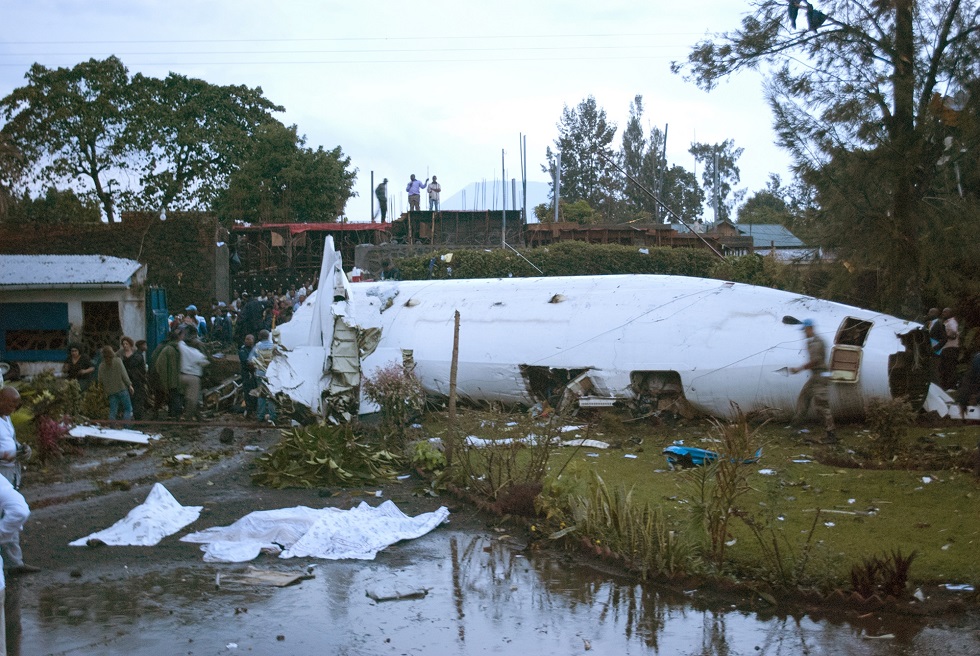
(584, 142)
(719, 174)
(145, 143)
(54, 207)
(282, 181)
(635, 183)
(190, 135)
(71, 124)
(866, 96)
(11, 171)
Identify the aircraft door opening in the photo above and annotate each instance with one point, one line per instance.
(848, 350)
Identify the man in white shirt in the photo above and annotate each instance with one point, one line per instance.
(192, 363)
(434, 189)
(11, 455)
(13, 513)
(949, 356)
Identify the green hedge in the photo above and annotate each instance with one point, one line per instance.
(562, 259)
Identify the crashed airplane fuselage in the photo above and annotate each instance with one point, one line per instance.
(639, 339)
(710, 342)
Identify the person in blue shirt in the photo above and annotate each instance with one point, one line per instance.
(414, 189)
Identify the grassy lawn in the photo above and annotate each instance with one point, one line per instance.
(863, 512)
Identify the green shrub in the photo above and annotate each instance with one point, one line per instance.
(400, 395)
(321, 456)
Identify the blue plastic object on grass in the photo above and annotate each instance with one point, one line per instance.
(689, 456)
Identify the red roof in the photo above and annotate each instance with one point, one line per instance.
(297, 228)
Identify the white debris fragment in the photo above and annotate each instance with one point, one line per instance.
(958, 587)
(592, 444)
(115, 434)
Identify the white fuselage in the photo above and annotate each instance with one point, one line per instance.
(727, 342)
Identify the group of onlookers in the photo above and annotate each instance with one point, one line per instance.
(248, 313)
(122, 373)
(944, 338)
(138, 385)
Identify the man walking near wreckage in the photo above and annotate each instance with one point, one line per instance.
(816, 390)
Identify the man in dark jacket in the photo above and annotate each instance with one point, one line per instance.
(252, 315)
(248, 375)
(166, 365)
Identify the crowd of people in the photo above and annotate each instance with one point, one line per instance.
(167, 382)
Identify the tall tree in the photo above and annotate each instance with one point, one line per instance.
(643, 160)
(634, 150)
(11, 171)
(682, 194)
(851, 93)
(584, 141)
(281, 181)
(72, 122)
(190, 135)
(719, 184)
(766, 206)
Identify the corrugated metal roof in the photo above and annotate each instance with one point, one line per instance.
(763, 236)
(55, 270)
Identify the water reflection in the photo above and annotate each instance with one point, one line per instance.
(484, 597)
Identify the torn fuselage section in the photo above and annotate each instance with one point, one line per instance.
(659, 345)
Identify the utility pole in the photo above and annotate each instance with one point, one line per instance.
(371, 194)
(503, 201)
(663, 172)
(715, 184)
(523, 142)
(557, 193)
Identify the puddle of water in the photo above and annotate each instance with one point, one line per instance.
(483, 598)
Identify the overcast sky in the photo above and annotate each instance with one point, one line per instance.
(424, 87)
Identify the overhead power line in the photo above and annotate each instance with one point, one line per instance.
(427, 39)
(376, 61)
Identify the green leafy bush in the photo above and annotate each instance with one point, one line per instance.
(322, 456)
(400, 395)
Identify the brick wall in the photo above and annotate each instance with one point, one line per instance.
(179, 252)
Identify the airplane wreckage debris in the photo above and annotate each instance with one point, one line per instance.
(653, 343)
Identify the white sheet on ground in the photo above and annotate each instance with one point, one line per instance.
(329, 533)
(148, 523)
